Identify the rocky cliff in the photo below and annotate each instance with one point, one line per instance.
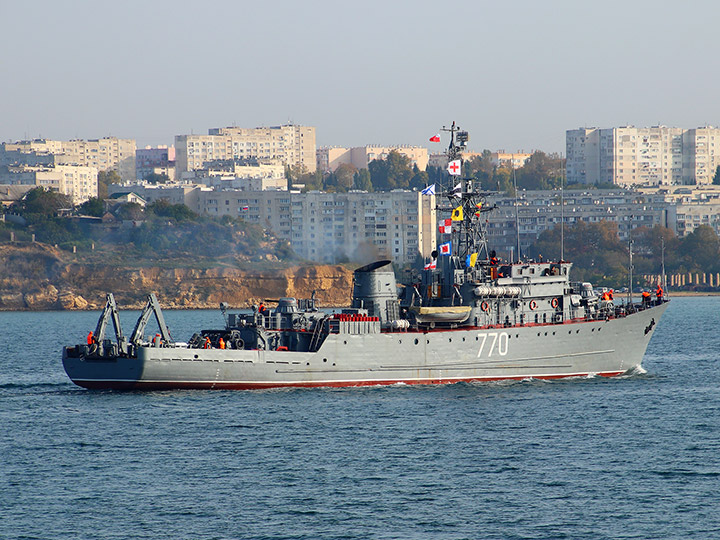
(38, 277)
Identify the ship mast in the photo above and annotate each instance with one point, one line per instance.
(465, 204)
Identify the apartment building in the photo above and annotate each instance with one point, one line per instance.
(655, 156)
(158, 160)
(322, 227)
(77, 182)
(292, 145)
(335, 227)
(173, 192)
(330, 158)
(538, 211)
(247, 174)
(108, 153)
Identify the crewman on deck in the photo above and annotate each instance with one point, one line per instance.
(659, 293)
(90, 338)
(646, 298)
(611, 294)
(221, 343)
(605, 296)
(207, 344)
(263, 310)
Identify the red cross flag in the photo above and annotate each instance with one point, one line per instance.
(455, 167)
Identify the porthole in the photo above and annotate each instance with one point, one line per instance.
(577, 331)
(449, 340)
(553, 333)
(196, 356)
(427, 341)
(416, 341)
(324, 359)
(517, 336)
(546, 333)
(345, 342)
(399, 340)
(463, 339)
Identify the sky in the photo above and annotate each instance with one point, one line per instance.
(515, 74)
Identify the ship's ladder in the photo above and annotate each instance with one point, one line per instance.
(318, 331)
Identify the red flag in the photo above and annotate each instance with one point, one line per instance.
(446, 226)
(435, 138)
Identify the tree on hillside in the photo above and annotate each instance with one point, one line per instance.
(155, 178)
(41, 202)
(105, 178)
(540, 171)
(298, 174)
(595, 249)
(361, 180)
(131, 212)
(393, 172)
(92, 207)
(700, 249)
(178, 212)
(716, 178)
(420, 180)
(343, 178)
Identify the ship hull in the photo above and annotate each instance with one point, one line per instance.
(573, 349)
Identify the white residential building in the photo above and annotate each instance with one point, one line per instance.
(78, 183)
(322, 227)
(655, 156)
(292, 145)
(108, 153)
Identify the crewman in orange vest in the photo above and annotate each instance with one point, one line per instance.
(646, 298)
(207, 344)
(221, 343)
(90, 338)
(659, 294)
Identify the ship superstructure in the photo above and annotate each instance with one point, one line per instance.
(467, 316)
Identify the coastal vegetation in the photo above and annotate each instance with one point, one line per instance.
(133, 235)
(396, 171)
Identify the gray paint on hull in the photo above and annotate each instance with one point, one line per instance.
(547, 351)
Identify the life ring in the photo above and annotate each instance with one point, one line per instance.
(484, 306)
(533, 304)
(554, 303)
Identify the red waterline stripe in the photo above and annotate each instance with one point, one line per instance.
(169, 385)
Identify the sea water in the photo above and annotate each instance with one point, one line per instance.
(629, 457)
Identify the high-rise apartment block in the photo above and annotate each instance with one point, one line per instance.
(77, 182)
(630, 156)
(322, 227)
(290, 144)
(108, 153)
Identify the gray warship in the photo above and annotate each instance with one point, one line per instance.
(467, 316)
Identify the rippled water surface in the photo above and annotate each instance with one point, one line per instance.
(633, 457)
